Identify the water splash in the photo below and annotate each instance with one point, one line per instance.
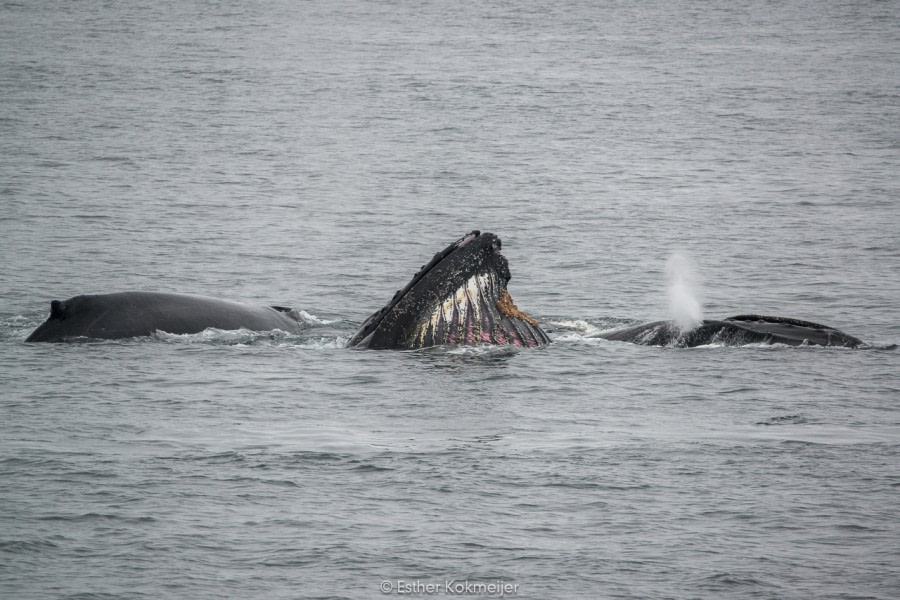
(682, 289)
(304, 316)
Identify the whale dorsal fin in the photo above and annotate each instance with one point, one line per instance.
(58, 310)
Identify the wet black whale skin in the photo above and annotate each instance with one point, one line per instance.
(736, 331)
(135, 314)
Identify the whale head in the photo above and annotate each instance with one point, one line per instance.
(458, 298)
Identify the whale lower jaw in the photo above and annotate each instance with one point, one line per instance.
(459, 298)
(481, 311)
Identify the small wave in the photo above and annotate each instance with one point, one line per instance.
(322, 343)
(731, 580)
(577, 326)
(246, 338)
(879, 346)
(17, 546)
(586, 331)
(784, 420)
(97, 517)
(227, 337)
(313, 456)
(484, 350)
(581, 339)
(370, 468)
(313, 319)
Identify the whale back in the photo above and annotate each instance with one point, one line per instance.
(136, 314)
(795, 332)
(739, 330)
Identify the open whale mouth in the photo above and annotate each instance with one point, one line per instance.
(458, 298)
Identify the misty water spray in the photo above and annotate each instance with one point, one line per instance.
(682, 289)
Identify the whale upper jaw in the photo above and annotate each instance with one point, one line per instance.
(458, 298)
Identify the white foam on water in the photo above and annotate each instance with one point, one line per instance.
(683, 291)
(213, 334)
(244, 337)
(575, 338)
(322, 343)
(313, 319)
(577, 326)
(488, 350)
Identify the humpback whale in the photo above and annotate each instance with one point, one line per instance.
(458, 298)
(136, 314)
(735, 331)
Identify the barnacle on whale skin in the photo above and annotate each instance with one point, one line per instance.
(508, 308)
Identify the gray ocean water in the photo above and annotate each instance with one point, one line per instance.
(314, 155)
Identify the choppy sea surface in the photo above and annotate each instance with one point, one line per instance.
(314, 155)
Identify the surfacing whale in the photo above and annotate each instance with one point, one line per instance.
(457, 299)
(136, 314)
(735, 331)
